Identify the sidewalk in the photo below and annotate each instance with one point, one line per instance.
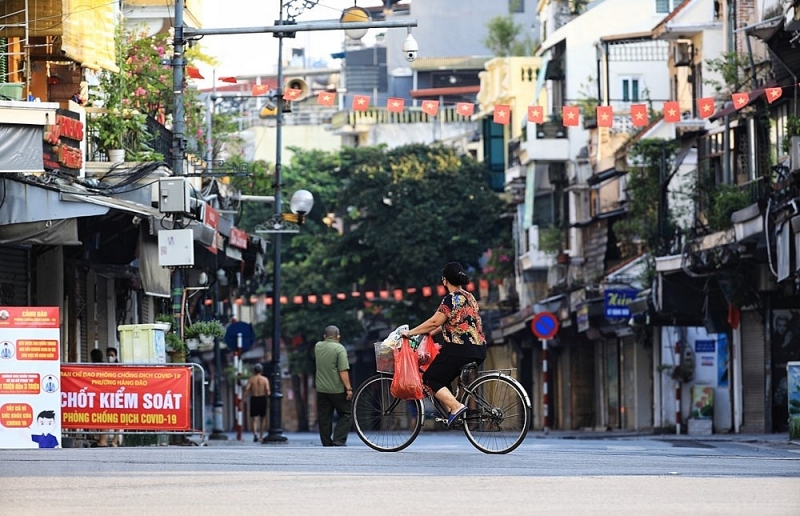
(311, 439)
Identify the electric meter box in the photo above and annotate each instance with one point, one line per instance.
(173, 195)
(143, 343)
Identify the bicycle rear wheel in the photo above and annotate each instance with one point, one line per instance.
(383, 422)
(497, 418)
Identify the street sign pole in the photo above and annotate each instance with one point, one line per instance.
(545, 326)
(545, 397)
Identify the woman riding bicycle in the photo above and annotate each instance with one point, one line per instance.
(460, 323)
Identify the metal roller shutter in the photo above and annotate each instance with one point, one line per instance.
(14, 284)
(753, 377)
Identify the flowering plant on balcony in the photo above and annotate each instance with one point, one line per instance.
(498, 264)
(141, 88)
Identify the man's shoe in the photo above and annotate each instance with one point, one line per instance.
(256, 439)
(451, 419)
(339, 443)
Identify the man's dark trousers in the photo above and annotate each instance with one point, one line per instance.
(326, 404)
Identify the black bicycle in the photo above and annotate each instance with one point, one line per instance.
(497, 418)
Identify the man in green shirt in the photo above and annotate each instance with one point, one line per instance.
(333, 389)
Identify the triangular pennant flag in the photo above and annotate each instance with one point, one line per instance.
(570, 116)
(639, 116)
(395, 105)
(773, 94)
(536, 114)
(740, 100)
(465, 108)
(502, 114)
(705, 107)
(326, 98)
(193, 73)
(228, 79)
(605, 116)
(672, 111)
(292, 94)
(259, 89)
(431, 107)
(360, 102)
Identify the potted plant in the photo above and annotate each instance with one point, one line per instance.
(205, 331)
(498, 264)
(165, 319)
(233, 375)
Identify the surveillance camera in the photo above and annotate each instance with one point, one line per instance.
(410, 48)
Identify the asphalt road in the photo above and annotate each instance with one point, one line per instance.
(439, 474)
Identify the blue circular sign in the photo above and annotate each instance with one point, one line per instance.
(545, 325)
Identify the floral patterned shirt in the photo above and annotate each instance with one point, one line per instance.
(463, 330)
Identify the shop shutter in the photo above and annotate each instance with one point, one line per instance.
(628, 387)
(582, 385)
(14, 282)
(753, 378)
(82, 315)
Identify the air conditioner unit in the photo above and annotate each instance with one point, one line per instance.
(682, 53)
(557, 275)
(794, 153)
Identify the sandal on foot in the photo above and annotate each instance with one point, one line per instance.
(452, 417)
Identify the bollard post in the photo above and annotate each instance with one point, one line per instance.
(545, 397)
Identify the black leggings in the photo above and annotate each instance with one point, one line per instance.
(444, 369)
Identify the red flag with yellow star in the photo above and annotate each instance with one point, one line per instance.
(465, 108)
(570, 116)
(193, 73)
(259, 89)
(639, 117)
(773, 94)
(672, 111)
(360, 102)
(502, 114)
(605, 116)
(292, 94)
(431, 107)
(326, 98)
(740, 100)
(705, 107)
(536, 114)
(395, 105)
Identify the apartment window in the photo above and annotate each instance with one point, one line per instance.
(666, 6)
(516, 6)
(630, 89)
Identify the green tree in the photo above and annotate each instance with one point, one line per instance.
(504, 40)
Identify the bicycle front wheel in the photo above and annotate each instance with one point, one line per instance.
(383, 422)
(497, 418)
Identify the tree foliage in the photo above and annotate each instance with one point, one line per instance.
(503, 38)
(399, 214)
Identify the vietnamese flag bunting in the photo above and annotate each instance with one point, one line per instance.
(326, 98)
(465, 108)
(740, 100)
(570, 116)
(431, 107)
(193, 73)
(773, 94)
(536, 114)
(360, 102)
(672, 111)
(231, 80)
(605, 116)
(259, 89)
(395, 105)
(502, 114)
(292, 94)
(705, 107)
(639, 116)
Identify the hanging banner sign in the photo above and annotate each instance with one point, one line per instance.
(30, 415)
(617, 302)
(112, 397)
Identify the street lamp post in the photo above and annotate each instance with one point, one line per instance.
(302, 200)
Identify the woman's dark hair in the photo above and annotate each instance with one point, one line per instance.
(454, 273)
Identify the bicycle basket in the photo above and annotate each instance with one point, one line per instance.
(384, 358)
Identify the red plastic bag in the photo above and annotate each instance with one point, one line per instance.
(427, 351)
(407, 381)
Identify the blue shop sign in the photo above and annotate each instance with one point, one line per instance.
(617, 301)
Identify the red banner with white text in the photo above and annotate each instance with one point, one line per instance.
(125, 398)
